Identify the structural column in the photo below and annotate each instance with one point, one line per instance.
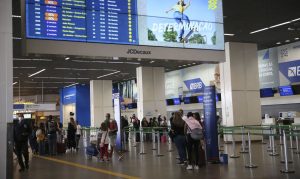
(101, 101)
(240, 86)
(6, 89)
(151, 92)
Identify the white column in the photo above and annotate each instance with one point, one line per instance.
(101, 101)
(240, 86)
(6, 77)
(151, 92)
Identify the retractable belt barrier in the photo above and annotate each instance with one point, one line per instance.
(281, 131)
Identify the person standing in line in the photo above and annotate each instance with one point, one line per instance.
(124, 124)
(32, 139)
(22, 131)
(136, 126)
(78, 134)
(112, 133)
(104, 142)
(177, 131)
(40, 135)
(71, 134)
(52, 136)
(192, 145)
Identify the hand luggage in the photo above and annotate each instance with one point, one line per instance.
(163, 139)
(92, 151)
(61, 148)
(202, 158)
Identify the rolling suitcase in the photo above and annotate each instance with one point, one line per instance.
(61, 148)
(92, 151)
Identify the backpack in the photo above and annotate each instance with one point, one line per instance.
(196, 133)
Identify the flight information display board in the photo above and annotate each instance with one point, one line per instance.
(168, 23)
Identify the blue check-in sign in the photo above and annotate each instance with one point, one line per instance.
(195, 85)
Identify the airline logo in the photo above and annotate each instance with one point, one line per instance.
(294, 71)
(195, 85)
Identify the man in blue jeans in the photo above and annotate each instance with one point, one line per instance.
(52, 136)
(179, 16)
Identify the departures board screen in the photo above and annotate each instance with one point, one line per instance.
(167, 23)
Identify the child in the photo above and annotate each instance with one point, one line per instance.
(104, 142)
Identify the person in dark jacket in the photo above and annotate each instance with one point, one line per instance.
(177, 128)
(71, 135)
(124, 123)
(136, 126)
(22, 132)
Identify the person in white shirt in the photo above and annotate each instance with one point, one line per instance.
(78, 134)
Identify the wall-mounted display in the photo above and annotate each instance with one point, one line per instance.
(168, 23)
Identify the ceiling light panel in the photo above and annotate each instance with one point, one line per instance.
(108, 74)
(36, 73)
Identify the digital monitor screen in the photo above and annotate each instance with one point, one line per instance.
(286, 91)
(132, 106)
(27, 116)
(169, 102)
(296, 89)
(266, 92)
(168, 23)
(176, 101)
(200, 99)
(186, 100)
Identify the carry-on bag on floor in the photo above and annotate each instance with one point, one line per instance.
(92, 151)
(61, 148)
(202, 158)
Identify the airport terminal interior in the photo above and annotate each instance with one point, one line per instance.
(143, 89)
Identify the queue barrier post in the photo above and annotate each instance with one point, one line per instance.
(233, 155)
(158, 145)
(280, 136)
(273, 153)
(270, 141)
(286, 166)
(170, 149)
(153, 140)
(250, 165)
(291, 140)
(243, 141)
(124, 140)
(134, 138)
(142, 147)
(297, 143)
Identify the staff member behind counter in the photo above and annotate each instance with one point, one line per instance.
(22, 131)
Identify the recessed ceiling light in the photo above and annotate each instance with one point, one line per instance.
(287, 41)
(184, 65)
(278, 43)
(15, 83)
(16, 16)
(139, 59)
(152, 61)
(67, 58)
(229, 34)
(189, 64)
(179, 66)
(194, 63)
(296, 38)
(37, 73)
(115, 58)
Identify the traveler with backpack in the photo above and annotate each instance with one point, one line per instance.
(193, 131)
(22, 131)
(52, 136)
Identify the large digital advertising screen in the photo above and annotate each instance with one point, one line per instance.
(167, 23)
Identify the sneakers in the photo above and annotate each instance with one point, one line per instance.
(196, 167)
(189, 167)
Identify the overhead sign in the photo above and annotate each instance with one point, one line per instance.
(35, 107)
(291, 70)
(168, 23)
(195, 85)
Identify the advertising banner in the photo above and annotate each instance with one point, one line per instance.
(210, 122)
(268, 68)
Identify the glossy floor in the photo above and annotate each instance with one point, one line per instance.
(150, 166)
